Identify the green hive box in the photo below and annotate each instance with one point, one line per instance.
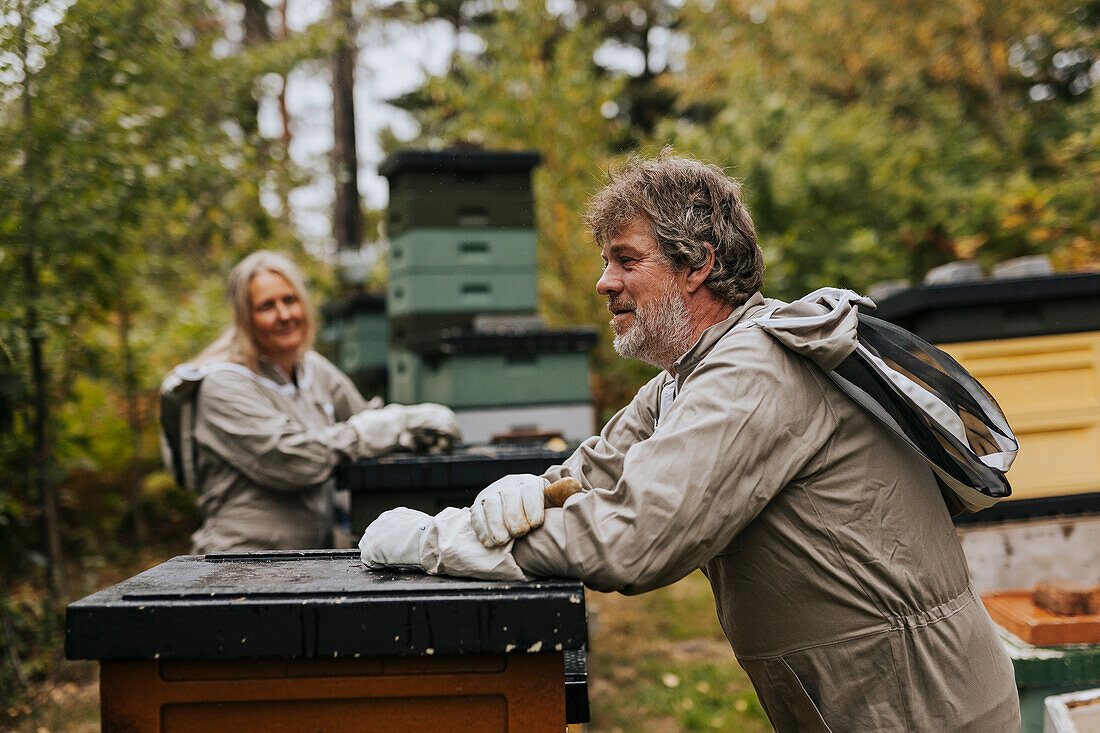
(464, 188)
(365, 342)
(449, 271)
(465, 290)
(465, 250)
(473, 209)
(1044, 671)
(467, 381)
(414, 172)
(478, 370)
(355, 334)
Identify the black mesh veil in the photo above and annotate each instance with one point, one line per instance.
(924, 396)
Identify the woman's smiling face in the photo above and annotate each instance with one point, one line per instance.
(278, 318)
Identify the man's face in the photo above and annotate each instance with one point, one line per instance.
(278, 319)
(645, 295)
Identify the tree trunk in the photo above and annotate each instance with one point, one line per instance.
(256, 28)
(133, 418)
(40, 451)
(284, 114)
(347, 217)
(257, 32)
(989, 79)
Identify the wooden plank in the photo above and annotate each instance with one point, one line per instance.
(1016, 612)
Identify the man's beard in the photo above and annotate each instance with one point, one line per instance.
(661, 331)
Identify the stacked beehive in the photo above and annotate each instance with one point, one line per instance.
(356, 335)
(1034, 343)
(462, 298)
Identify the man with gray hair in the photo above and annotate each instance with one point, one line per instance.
(837, 574)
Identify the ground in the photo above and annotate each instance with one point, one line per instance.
(659, 662)
(68, 701)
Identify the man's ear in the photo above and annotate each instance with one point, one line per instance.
(698, 276)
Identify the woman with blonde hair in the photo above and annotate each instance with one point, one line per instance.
(262, 419)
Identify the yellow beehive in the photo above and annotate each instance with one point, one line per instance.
(1049, 388)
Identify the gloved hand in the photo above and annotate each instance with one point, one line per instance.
(393, 539)
(409, 426)
(449, 547)
(507, 508)
(429, 425)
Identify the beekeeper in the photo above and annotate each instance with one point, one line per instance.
(264, 419)
(837, 574)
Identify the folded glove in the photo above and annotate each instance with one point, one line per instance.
(449, 547)
(439, 545)
(393, 539)
(507, 508)
(415, 427)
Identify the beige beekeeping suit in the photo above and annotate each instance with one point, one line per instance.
(266, 449)
(837, 574)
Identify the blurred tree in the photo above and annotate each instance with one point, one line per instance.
(131, 181)
(458, 14)
(637, 44)
(641, 43)
(878, 140)
(531, 84)
(28, 45)
(465, 19)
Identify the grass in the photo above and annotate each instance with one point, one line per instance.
(658, 662)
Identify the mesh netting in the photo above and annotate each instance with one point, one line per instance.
(983, 430)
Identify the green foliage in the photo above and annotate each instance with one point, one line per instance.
(29, 625)
(697, 696)
(879, 140)
(876, 140)
(132, 175)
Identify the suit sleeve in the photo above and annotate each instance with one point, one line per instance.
(242, 426)
(598, 461)
(449, 545)
(346, 398)
(747, 422)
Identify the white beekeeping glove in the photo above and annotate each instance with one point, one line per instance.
(441, 545)
(393, 539)
(449, 547)
(429, 425)
(508, 508)
(415, 427)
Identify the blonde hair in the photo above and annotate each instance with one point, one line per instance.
(237, 343)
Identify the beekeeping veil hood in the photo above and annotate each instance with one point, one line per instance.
(914, 389)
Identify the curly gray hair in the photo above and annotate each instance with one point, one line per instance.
(688, 204)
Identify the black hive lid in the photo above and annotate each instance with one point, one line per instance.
(469, 468)
(995, 309)
(317, 604)
(358, 303)
(520, 341)
(983, 292)
(457, 159)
